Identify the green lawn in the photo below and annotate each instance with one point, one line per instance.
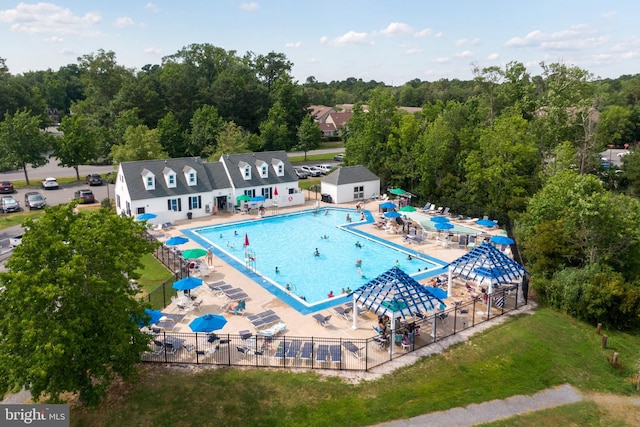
(524, 355)
(152, 274)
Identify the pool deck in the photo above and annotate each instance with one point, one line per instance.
(260, 299)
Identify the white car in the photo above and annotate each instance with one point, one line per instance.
(312, 170)
(622, 153)
(50, 183)
(325, 168)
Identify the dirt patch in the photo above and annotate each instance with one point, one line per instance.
(625, 409)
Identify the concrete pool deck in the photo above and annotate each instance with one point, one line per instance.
(261, 299)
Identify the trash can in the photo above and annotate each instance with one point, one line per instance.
(189, 215)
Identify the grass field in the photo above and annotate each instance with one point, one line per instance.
(524, 355)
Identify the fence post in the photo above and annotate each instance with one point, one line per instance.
(598, 328)
(604, 341)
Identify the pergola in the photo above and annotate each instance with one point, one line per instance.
(394, 293)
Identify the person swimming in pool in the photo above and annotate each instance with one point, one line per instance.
(316, 253)
(358, 245)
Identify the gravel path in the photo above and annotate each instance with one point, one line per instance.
(492, 411)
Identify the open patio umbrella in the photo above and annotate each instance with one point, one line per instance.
(154, 317)
(208, 323)
(502, 240)
(246, 240)
(392, 214)
(243, 198)
(437, 219)
(257, 199)
(407, 208)
(441, 226)
(486, 223)
(436, 292)
(193, 253)
(388, 205)
(176, 240)
(146, 216)
(187, 283)
(397, 191)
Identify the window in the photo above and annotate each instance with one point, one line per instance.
(149, 181)
(195, 202)
(358, 192)
(174, 205)
(247, 172)
(139, 211)
(172, 180)
(117, 201)
(192, 178)
(280, 169)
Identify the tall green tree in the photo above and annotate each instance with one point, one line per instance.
(205, 126)
(78, 144)
(308, 135)
(140, 143)
(22, 142)
(230, 139)
(273, 131)
(172, 137)
(615, 126)
(67, 307)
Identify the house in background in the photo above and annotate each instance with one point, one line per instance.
(188, 187)
(350, 183)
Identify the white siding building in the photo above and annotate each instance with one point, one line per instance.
(350, 183)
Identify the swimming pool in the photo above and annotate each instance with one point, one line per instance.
(426, 222)
(289, 241)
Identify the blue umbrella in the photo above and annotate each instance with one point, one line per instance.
(436, 292)
(502, 240)
(486, 223)
(257, 199)
(392, 214)
(146, 216)
(207, 323)
(154, 317)
(443, 226)
(439, 219)
(187, 283)
(388, 205)
(176, 240)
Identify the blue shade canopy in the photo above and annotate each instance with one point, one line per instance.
(187, 283)
(486, 223)
(388, 205)
(486, 262)
(439, 218)
(395, 292)
(443, 226)
(392, 214)
(146, 216)
(207, 323)
(257, 199)
(502, 240)
(176, 240)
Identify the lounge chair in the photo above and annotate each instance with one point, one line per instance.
(307, 351)
(353, 349)
(322, 320)
(294, 349)
(343, 312)
(335, 353)
(214, 287)
(380, 342)
(241, 308)
(322, 353)
(245, 352)
(281, 349)
(445, 212)
(273, 330)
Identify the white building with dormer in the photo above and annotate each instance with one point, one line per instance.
(189, 187)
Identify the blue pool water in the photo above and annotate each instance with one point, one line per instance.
(426, 222)
(289, 242)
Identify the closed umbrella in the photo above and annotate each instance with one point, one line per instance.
(407, 208)
(392, 214)
(502, 240)
(486, 223)
(441, 226)
(187, 283)
(176, 240)
(146, 216)
(208, 323)
(193, 253)
(246, 240)
(439, 218)
(436, 292)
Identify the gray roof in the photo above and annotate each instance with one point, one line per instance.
(210, 176)
(233, 163)
(350, 175)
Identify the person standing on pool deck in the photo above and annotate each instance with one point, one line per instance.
(209, 257)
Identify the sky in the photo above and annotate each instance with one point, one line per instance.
(386, 41)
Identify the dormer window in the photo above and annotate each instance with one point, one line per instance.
(263, 168)
(245, 170)
(149, 179)
(190, 176)
(278, 166)
(170, 177)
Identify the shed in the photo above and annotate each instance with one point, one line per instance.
(350, 183)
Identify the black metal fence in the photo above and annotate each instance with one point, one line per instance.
(160, 297)
(255, 349)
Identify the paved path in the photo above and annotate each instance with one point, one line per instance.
(493, 410)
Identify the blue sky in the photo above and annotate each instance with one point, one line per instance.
(389, 41)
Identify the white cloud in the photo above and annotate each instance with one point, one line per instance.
(460, 42)
(442, 60)
(48, 18)
(324, 39)
(464, 54)
(152, 7)
(312, 60)
(293, 44)
(396, 29)
(54, 39)
(351, 38)
(67, 51)
(124, 21)
(422, 33)
(439, 35)
(574, 38)
(493, 56)
(412, 50)
(609, 15)
(153, 51)
(250, 6)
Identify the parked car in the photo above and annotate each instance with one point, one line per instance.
(9, 204)
(34, 200)
(50, 183)
(301, 174)
(15, 241)
(6, 187)
(325, 168)
(623, 153)
(94, 179)
(312, 170)
(84, 196)
(338, 157)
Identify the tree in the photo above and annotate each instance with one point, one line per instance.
(615, 126)
(308, 135)
(172, 137)
(205, 125)
(67, 305)
(77, 146)
(273, 131)
(140, 143)
(272, 67)
(230, 140)
(22, 142)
